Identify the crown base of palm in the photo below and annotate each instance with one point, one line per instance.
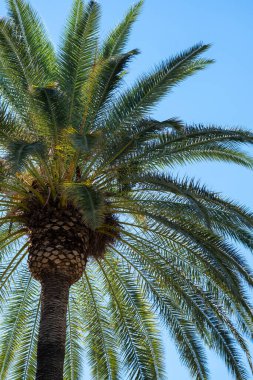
(60, 241)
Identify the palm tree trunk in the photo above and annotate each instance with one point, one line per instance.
(52, 332)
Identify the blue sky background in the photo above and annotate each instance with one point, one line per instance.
(221, 95)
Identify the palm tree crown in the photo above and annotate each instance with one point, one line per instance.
(87, 177)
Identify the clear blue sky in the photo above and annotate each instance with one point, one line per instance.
(221, 95)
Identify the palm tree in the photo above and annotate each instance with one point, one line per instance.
(116, 243)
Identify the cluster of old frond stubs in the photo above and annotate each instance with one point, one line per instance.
(60, 242)
(64, 248)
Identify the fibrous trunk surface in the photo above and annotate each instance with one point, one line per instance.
(52, 333)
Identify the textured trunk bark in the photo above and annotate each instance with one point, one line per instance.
(52, 332)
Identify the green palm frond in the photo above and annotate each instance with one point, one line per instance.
(191, 193)
(20, 317)
(19, 77)
(10, 265)
(140, 361)
(40, 54)
(20, 151)
(191, 352)
(187, 145)
(148, 90)
(117, 39)
(73, 361)
(8, 245)
(39, 49)
(100, 343)
(92, 203)
(25, 365)
(104, 80)
(148, 322)
(78, 53)
(13, 56)
(200, 304)
(11, 127)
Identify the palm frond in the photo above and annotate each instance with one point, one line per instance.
(38, 47)
(17, 326)
(74, 349)
(180, 146)
(89, 201)
(199, 304)
(78, 54)
(100, 342)
(117, 39)
(104, 79)
(20, 151)
(129, 328)
(138, 101)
